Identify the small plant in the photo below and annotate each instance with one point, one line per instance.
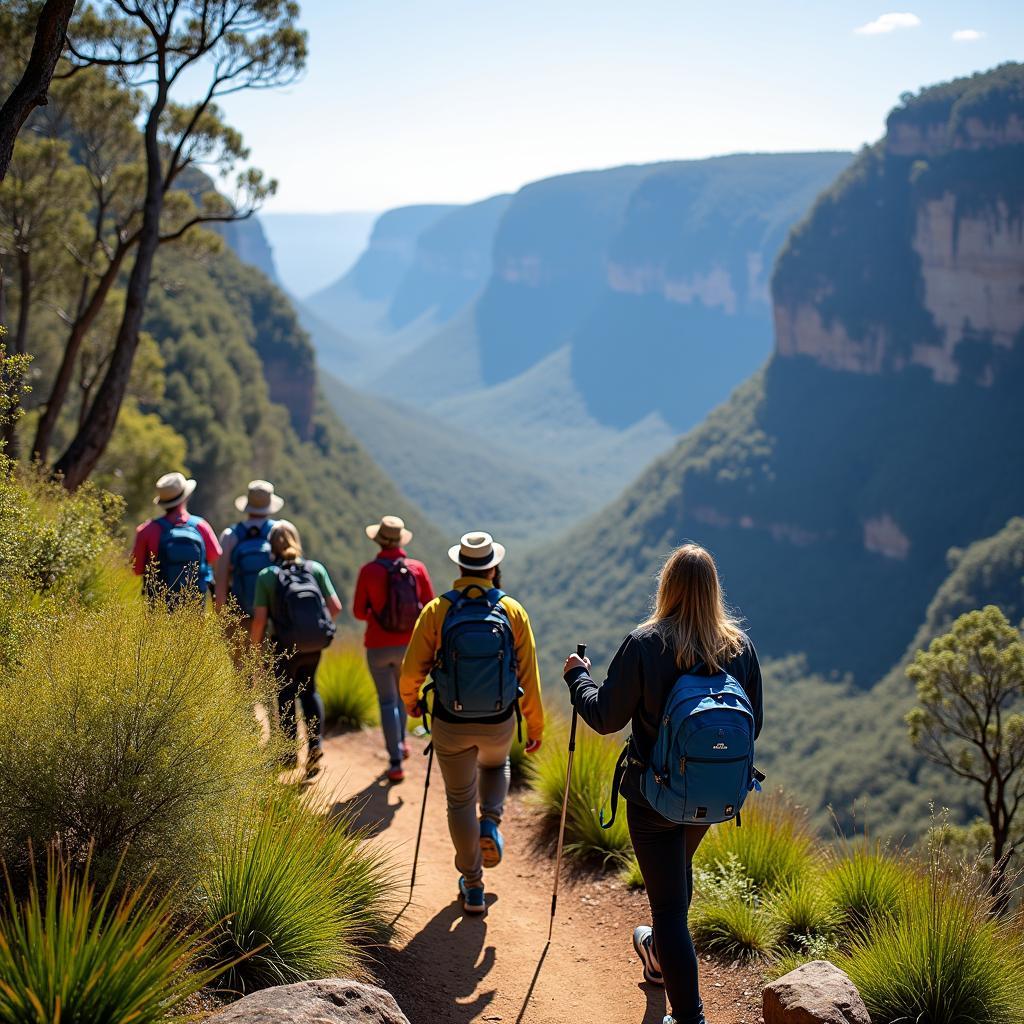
(866, 884)
(735, 928)
(67, 953)
(942, 958)
(347, 689)
(592, 770)
(805, 914)
(292, 892)
(775, 844)
(630, 874)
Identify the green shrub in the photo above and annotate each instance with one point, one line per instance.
(68, 954)
(866, 883)
(775, 844)
(128, 730)
(347, 689)
(735, 928)
(291, 892)
(942, 959)
(630, 874)
(592, 770)
(804, 913)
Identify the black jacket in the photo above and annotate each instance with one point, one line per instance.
(640, 677)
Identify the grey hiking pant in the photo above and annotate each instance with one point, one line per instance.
(385, 667)
(473, 758)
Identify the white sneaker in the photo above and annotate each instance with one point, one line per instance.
(643, 943)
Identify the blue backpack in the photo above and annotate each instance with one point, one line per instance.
(475, 675)
(701, 767)
(249, 557)
(181, 565)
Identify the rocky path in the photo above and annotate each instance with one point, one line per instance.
(444, 968)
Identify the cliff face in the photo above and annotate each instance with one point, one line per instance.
(947, 296)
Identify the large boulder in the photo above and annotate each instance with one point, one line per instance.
(331, 1001)
(817, 993)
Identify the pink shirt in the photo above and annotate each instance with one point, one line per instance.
(147, 540)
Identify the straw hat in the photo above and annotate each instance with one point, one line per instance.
(477, 550)
(172, 489)
(389, 532)
(260, 499)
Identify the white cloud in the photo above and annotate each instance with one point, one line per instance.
(888, 23)
(967, 35)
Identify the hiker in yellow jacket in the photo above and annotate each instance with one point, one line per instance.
(474, 708)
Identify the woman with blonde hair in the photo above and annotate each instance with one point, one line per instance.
(297, 600)
(691, 632)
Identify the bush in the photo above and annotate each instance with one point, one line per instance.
(775, 845)
(347, 689)
(67, 955)
(128, 730)
(943, 958)
(804, 913)
(866, 884)
(735, 928)
(291, 892)
(592, 770)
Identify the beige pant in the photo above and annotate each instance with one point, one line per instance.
(474, 764)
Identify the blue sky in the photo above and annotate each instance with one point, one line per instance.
(454, 100)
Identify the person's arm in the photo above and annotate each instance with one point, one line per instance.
(426, 586)
(609, 707)
(530, 703)
(361, 598)
(326, 585)
(420, 655)
(213, 548)
(258, 628)
(222, 570)
(141, 550)
(265, 583)
(754, 688)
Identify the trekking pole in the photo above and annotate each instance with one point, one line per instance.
(423, 810)
(581, 651)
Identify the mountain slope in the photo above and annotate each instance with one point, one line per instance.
(831, 485)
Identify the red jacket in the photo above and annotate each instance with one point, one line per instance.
(372, 594)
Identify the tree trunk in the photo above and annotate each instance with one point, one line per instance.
(30, 92)
(24, 303)
(3, 297)
(79, 329)
(75, 465)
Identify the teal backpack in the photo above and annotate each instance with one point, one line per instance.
(181, 566)
(249, 557)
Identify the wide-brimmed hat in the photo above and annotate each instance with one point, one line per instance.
(477, 550)
(389, 532)
(172, 489)
(260, 499)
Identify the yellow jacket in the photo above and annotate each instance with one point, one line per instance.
(421, 654)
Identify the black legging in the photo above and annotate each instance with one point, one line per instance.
(664, 851)
(296, 677)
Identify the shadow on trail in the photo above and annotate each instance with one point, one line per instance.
(443, 966)
(656, 1004)
(533, 984)
(372, 808)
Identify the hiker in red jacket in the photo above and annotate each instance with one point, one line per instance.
(390, 593)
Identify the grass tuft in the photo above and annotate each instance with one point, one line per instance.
(347, 689)
(805, 914)
(866, 883)
(735, 928)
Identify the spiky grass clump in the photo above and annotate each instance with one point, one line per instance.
(630, 875)
(592, 770)
(347, 689)
(804, 914)
(941, 958)
(737, 929)
(866, 883)
(70, 954)
(775, 844)
(119, 737)
(292, 893)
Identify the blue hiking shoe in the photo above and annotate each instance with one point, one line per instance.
(472, 897)
(492, 846)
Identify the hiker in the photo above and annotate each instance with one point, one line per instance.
(246, 549)
(298, 600)
(691, 633)
(391, 591)
(477, 645)
(175, 553)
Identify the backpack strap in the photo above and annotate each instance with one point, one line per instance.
(620, 771)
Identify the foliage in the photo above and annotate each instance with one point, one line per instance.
(970, 715)
(943, 958)
(805, 913)
(775, 845)
(118, 737)
(346, 687)
(735, 928)
(630, 875)
(866, 885)
(70, 953)
(592, 769)
(291, 891)
(13, 386)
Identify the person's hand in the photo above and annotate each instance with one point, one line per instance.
(532, 746)
(414, 710)
(575, 661)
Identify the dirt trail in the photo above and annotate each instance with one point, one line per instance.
(444, 968)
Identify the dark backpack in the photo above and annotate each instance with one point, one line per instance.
(181, 566)
(402, 605)
(249, 557)
(701, 767)
(475, 675)
(299, 612)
